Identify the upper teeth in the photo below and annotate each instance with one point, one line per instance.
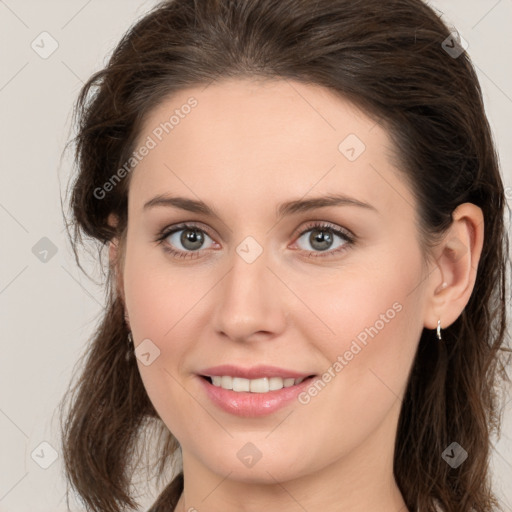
(263, 385)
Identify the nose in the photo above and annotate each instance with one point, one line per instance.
(251, 301)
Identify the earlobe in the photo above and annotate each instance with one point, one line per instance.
(457, 264)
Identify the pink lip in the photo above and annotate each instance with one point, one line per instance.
(251, 405)
(256, 372)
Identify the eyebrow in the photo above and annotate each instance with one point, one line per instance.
(286, 208)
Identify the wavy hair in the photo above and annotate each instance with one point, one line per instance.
(388, 58)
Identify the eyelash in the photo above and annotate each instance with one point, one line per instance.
(345, 235)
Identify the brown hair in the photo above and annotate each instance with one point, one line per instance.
(388, 59)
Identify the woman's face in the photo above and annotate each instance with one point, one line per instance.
(257, 283)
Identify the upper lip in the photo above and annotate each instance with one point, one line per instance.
(255, 372)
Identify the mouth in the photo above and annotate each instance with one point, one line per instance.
(261, 385)
(256, 397)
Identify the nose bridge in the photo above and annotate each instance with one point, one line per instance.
(249, 296)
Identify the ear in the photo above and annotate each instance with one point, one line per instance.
(114, 257)
(453, 278)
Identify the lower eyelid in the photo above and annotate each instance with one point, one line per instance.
(328, 252)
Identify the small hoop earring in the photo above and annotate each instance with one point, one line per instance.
(439, 329)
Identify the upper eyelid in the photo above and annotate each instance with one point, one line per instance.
(322, 224)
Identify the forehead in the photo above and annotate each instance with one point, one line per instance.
(250, 140)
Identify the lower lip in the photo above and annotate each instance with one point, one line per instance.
(251, 405)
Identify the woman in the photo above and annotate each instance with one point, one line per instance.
(304, 215)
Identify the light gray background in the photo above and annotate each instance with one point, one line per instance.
(49, 309)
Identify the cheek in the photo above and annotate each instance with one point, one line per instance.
(369, 334)
(162, 304)
(364, 381)
(375, 322)
(371, 298)
(159, 294)
(165, 302)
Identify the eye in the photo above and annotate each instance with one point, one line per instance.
(189, 236)
(321, 239)
(192, 239)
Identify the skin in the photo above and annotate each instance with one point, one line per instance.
(248, 146)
